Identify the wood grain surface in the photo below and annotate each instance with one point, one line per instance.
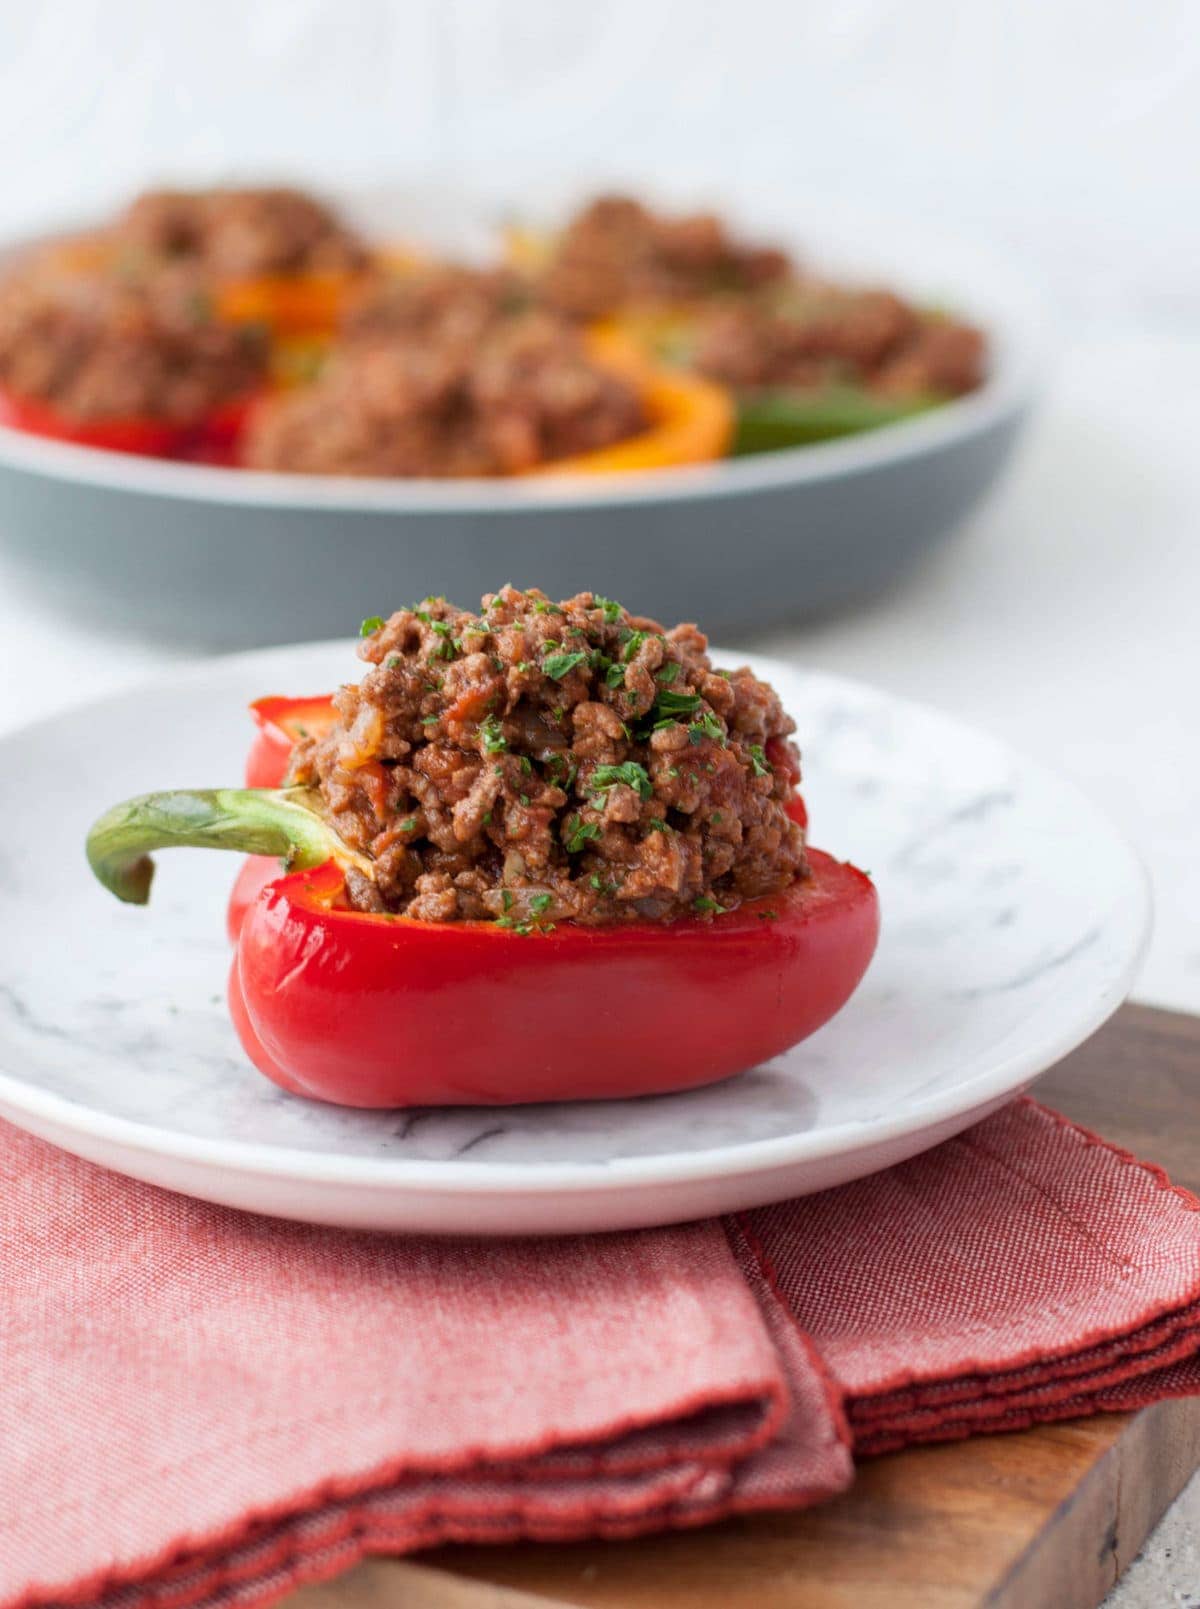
(1044, 1519)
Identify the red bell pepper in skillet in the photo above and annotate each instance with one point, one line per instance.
(128, 359)
(539, 853)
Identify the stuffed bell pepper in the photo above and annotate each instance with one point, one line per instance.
(540, 852)
(451, 371)
(804, 359)
(123, 360)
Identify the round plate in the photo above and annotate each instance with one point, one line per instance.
(228, 558)
(1013, 920)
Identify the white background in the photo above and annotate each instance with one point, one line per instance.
(1067, 128)
(1066, 132)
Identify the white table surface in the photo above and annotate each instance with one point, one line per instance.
(1066, 619)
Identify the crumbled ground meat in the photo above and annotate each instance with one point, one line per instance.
(241, 233)
(544, 762)
(102, 344)
(812, 336)
(451, 374)
(617, 251)
(448, 304)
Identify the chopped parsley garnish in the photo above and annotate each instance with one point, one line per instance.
(758, 761)
(523, 798)
(540, 903)
(393, 661)
(494, 740)
(430, 720)
(715, 818)
(706, 727)
(630, 773)
(407, 824)
(612, 610)
(707, 906)
(614, 676)
(526, 765)
(667, 673)
(556, 666)
(542, 607)
(633, 642)
(506, 899)
(524, 929)
(656, 825)
(578, 833)
(487, 819)
(562, 772)
(672, 703)
(370, 625)
(449, 645)
(515, 925)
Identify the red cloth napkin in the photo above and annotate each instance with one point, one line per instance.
(199, 1407)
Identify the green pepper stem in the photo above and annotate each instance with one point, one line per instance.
(254, 821)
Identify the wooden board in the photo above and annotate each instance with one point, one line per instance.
(1046, 1519)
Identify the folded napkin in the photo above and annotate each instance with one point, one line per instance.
(199, 1407)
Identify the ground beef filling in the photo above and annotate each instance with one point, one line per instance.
(616, 252)
(241, 234)
(542, 762)
(452, 374)
(105, 344)
(448, 304)
(811, 337)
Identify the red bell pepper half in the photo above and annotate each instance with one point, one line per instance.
(152, 438)
(376, 1011)
(382, 1011)
(280, 723)
(213, 439)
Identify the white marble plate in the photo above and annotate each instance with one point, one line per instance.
(1014, 917)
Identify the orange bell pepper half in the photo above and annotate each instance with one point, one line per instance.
(691, 419)
(307, 303)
